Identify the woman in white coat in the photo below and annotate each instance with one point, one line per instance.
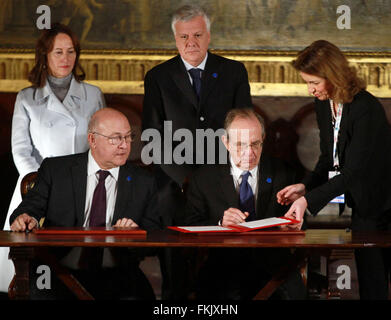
(50, 117)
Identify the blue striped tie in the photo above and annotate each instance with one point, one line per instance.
(195, 74)
(246, 197)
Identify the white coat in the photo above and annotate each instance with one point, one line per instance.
(43, 126)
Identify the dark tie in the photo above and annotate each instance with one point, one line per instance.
(246, 197)
(98, 207)
(91, 258)
(195, 74)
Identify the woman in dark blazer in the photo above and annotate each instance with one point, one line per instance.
(355, 144)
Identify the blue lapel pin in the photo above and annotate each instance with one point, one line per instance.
(269, 180)
(214, 75)
(128, 178)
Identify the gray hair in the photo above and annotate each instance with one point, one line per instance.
(188, 12)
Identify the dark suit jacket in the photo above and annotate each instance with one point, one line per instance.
(212, 191)
(60, 191)
(364, 149)
(169, 95)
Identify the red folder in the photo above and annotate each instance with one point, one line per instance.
(90, 231)
(240, 228)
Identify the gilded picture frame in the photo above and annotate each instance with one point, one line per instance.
(123, 39)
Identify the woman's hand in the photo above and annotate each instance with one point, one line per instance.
(296, 212)
(290, 193)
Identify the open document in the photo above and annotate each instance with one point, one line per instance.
(242, 227)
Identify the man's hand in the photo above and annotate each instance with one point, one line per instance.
(296, 212)
(233, 216)
(126, 223)
(290, 193)
(22, 222)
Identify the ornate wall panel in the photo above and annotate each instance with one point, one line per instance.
(270, 73)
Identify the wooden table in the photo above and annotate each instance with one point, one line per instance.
(23, 247)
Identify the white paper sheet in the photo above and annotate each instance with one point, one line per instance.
(263, 223)
(205, 228)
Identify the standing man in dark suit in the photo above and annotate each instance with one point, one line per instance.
(97, 188)
(243, 190)
(194, 90)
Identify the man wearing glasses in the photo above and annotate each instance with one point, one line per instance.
(243, 190)
(92, 189)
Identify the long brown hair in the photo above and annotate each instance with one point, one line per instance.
(44, 45)
(323, 59)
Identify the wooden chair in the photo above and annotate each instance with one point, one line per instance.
(28, 183)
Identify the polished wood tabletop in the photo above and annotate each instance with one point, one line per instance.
(312, 238)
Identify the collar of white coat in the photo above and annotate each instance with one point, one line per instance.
(76, 89)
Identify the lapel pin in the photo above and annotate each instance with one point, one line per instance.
(128, 178)
(214, 75)
(269, 180)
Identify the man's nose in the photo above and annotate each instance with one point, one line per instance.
(248, 150)
(191, 41)
(123, 144)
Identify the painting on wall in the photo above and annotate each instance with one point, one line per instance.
(236, 24)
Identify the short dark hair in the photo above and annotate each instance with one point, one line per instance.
(44, 45)
(243, 113)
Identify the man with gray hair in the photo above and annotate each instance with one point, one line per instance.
(194, 90)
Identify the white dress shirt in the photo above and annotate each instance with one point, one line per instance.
(111, 190)
(72, 259)
(201, 66)
(252, 179)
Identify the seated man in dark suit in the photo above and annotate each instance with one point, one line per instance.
(96, 188)
(241, 191)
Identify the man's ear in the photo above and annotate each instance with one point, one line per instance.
(224, 139)
(91, 140)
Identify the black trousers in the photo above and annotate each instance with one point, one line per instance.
(373, 264)
(239, 274)
(173, 263)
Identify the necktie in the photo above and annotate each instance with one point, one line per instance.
(195, 74)
(246, 197)
(98, 207)
(91, 258)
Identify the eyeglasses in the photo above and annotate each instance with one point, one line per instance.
(243, 146)
(116, 140)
